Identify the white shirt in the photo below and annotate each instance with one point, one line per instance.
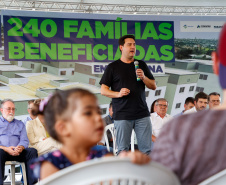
(158, 122)
(192, 110)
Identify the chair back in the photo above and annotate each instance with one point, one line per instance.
(112, 171)
(111, 128)
(217, 179)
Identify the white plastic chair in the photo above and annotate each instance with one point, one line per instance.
(132, 140)
(13, 164)
(217, 179)
(112, 171)
(111, 128)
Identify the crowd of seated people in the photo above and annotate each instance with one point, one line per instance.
(37, 133)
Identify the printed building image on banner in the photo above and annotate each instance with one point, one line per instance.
(85, 40)
(177, 50)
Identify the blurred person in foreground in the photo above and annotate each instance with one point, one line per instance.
(194, 145)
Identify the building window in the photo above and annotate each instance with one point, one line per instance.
(63, 73)
(32, 66)
(203, 77)
(103, 111)
(157, 92)
(199, 89)
(191, 88)
(181, 89)
(92, 81)
(45, 69)
(178, 105)
(147, 93)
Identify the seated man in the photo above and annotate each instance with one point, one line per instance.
(160, 117)
(29, 110)
(109, 120)
(214, 100)
(194, 145)
(14, 141)
(201, 101)
(188, 104)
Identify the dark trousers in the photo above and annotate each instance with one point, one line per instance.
(26, 156)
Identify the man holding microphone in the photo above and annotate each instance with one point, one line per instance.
(126, 87)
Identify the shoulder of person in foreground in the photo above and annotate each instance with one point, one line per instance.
(178, 134)
(48, 164)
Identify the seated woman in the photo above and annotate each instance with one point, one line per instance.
(37, 134)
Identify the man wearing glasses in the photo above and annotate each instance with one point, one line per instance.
(160, 117)
(214, 100)
(14, 141)
(29, 110)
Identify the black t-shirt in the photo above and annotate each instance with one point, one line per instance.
(122, 75)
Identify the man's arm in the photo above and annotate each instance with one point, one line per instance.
(150, 84)
(105, 90)
(23, 137)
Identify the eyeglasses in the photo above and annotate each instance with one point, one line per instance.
(10, 109)
(215, 101)
(161, 105)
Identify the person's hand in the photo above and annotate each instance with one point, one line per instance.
(11, 151)
(19, 149)
(136, 157)
(123, 92)
(140, 74)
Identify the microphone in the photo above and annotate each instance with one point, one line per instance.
(136, 63)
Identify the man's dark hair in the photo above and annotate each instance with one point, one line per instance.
(189, 100)
(152, 106)
(121, 41)
(214, 94)
(201, 95)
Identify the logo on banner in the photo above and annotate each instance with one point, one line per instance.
(201, 26)
(218, 27)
